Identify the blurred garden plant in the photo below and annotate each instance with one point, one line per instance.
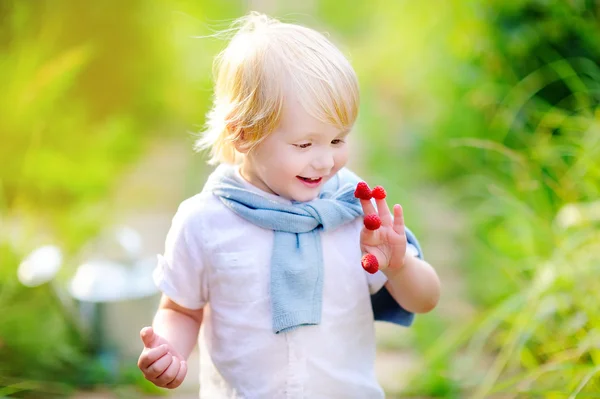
(84, 88)
(514, 137)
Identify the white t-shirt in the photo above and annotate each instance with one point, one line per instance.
(217, 260)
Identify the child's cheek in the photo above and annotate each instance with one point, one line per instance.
(341, 158)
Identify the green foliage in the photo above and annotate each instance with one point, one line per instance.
(37, 348)
(85, 87)
(515, 136)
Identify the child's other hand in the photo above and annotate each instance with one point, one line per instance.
(160, 362)
(388, 242)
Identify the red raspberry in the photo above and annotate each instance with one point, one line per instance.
(369, 263)
(378, 193)
(372, 222)
(362, 191)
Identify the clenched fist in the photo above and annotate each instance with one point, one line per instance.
(160, 362)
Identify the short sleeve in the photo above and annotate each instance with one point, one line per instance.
(385, 307)
(180, 273)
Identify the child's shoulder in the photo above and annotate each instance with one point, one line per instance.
(346, 175)
(200, 209)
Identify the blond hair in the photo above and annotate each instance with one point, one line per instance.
(250, 77)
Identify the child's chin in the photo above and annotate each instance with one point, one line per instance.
(305, 197)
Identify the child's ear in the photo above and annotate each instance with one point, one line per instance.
(241, 143)
(237, 137)
(240, 147)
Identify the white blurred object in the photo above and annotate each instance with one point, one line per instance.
(116, 300)
(40, 266)
(576, 214)
(108, 281)
(130, 240)
(115, 292)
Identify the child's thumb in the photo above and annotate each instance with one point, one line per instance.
(148, 337)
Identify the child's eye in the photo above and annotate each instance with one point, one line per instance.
(305, 145)
(337, 141)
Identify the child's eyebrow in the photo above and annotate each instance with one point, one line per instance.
(313, 135)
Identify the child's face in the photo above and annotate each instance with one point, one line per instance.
(298, 157)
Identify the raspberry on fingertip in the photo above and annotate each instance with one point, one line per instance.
(370, 263)
(362, 191)
(378, 193)
(372, 222)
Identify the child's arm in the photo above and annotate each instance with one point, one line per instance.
(168, 344)
(178, 325)
(412, 282)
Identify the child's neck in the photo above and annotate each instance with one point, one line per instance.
(257, 184)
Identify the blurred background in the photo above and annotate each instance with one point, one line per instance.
(482, 118)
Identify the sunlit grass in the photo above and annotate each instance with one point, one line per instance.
(525, 172)
(543, 252)
(79, 102)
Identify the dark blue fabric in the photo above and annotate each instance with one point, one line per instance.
(385, 307)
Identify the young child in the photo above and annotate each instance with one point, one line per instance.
(267, 258)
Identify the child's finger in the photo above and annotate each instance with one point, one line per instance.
(180, 376)
(149, 356)
(368, 237)
(148, 337)
(372, 222)
(384, 212)
(367, 206)
(398, 225)
(170, 374)
(158, 368)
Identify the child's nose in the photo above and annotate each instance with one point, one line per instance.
(324, 162)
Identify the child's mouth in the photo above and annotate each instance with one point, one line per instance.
(311, 182)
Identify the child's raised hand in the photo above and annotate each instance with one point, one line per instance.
(383, 235)
(160, 362)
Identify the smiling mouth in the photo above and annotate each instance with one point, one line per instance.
(310, 180)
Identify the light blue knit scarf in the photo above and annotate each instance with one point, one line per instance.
(297, 260)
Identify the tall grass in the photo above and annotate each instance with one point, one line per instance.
(534, 211)
(507, 119)
(537, 232)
